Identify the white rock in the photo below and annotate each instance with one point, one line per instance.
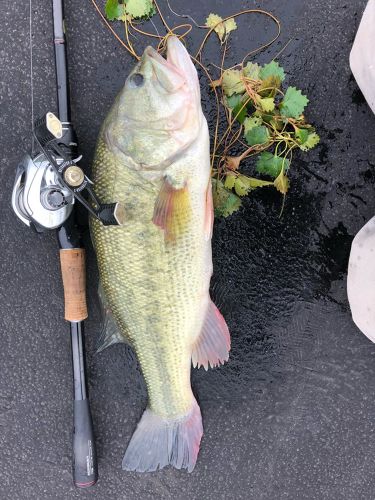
(362, 56)
(361, 272)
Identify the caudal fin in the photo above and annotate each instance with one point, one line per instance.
(158, 442)
(213, 344)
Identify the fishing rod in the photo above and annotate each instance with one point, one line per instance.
(48, 183)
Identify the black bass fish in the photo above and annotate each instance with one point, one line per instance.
(155, 269)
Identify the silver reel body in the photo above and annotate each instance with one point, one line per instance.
(39, 199)
(47, 185)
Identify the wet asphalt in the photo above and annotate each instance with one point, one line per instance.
(291, 416)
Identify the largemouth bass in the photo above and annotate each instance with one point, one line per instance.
(153, 157)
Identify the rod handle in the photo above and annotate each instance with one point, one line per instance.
(73, 272)
(85, 467)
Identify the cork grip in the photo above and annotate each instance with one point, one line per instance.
(73, 272)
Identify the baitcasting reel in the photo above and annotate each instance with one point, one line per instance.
(38, 198)
(47, 185)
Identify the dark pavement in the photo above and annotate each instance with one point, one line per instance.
(291, 416)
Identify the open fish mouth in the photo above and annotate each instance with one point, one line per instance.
(168, 74)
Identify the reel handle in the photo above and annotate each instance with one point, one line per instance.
(73, 272)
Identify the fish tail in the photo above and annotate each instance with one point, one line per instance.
(159, 441)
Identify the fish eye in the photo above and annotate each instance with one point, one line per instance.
(136, 80)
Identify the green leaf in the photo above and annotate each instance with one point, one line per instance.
(302, 135)
(251, 70)
(311, 141)
(281, 183)
(267, 117)
(113, 9)
(232, 83)
(229, 181)
(251, 122)
(153, 10)
(241, 187)
(124, 17)
(257, 135)
(293, 104)
(138, 9)
(222, 28)
(216, 22)
(267, 104)
(271, 164)
(269, 86)
(255, 183)
(239, 111)
(230, 25)
(272, 69)
(233, 100)
(244, 184)
(225, 202)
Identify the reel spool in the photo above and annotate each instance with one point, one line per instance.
(38, 198)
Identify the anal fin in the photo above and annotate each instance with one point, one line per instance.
(213, 344)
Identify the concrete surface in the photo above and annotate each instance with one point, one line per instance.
(291, 416)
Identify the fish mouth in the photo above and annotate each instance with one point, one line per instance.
(167, 73)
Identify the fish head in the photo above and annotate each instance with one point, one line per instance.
(158, 113)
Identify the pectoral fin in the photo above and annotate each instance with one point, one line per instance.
(172, 211)
(110, 333)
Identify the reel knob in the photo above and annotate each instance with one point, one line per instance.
(74, 176)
